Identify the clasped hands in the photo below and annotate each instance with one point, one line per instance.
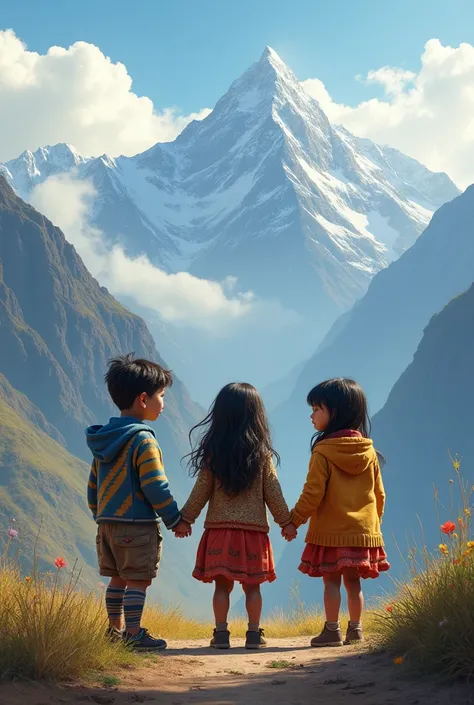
(183, 530)
(289, 532)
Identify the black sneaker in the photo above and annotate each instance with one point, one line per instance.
(255, 640)
(113, 634)
(144, 641)
(220, 640)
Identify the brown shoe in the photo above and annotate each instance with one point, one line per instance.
(353, 634)
(255, 640)
(220, 640)
(328, 637)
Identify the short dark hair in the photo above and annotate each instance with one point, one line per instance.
(347, 405)
(128, 377)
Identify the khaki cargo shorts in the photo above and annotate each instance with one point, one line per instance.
(129, 551)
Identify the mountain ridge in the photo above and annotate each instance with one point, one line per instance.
(429, 409)
(91, 320)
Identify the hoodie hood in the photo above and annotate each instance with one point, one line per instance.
(351, 455)
(106, 442)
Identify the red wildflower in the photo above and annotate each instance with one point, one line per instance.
(60, 563)
(389, 608)
(448, 527)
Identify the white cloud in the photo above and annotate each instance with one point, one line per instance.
(429, 115)
(180, 298)
(79, 96)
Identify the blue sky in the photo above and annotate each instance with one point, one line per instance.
(186, 53)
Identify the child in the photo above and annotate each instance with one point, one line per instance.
(236, 475)
(344, 496)
(127, 492)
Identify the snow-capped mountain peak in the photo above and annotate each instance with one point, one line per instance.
(265, 178)
(31, 168)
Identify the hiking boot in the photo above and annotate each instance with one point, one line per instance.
(255, 640)
(144, 641)
(113, 634)
(353, 634)
(327, 637)
(220, 640)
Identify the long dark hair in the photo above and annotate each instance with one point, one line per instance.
(347, 405)
(235, 442)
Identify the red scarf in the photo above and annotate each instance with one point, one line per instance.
(346, 433)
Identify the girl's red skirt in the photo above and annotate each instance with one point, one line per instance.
(318, 561)
(237, 554)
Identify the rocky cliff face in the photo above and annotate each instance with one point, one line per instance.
(59, 329)
(428, 418)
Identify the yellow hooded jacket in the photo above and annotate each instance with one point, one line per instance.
(343, 495)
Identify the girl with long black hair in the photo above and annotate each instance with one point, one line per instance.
(233, 462)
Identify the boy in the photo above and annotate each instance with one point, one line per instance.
(128, 491)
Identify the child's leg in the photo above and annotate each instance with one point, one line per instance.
(133, 604)
(253, 605)
(332, 596)
(221, 601)
(114, 601)
(331, 634)
(355, 597)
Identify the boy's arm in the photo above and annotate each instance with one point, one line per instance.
(379, 492)
(313, 490)
(148, 462)
(273, 496)
(200, 495)
(92, 489)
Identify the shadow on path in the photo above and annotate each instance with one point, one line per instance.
(198, 675)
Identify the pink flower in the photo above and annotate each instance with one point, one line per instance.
(60, 563)
(13, 533)
(101, 586)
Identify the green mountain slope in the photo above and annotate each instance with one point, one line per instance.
(42, 488)
(59, 328)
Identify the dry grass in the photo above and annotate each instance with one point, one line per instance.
(430, 621)
(50, 630)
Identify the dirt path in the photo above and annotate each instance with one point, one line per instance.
(286, 673)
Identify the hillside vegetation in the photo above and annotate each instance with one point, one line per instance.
(42, 489)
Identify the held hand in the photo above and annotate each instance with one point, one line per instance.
(289, 532)
(182, 530)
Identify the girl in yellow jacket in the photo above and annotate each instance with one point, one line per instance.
(344, 499)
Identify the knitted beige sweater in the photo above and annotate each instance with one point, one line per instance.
(247, 510)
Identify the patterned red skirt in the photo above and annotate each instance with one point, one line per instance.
(318, 561)
(237, 554)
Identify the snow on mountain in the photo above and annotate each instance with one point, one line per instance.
(32, 168)
(265, 190)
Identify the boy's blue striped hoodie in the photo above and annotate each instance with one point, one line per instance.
(127, 481)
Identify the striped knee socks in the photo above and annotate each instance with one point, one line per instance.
(133, 604)
(114, 602)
